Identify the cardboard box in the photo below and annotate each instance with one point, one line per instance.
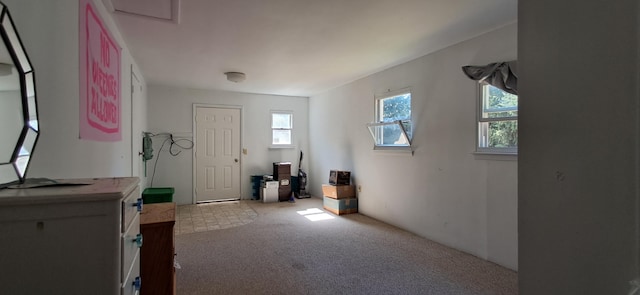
(281, 170)
(338, 191)
(337, 177)
(284, 193)
(269, 195)
(341, 206)
(285, 182)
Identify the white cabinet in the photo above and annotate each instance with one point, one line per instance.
(80, 239)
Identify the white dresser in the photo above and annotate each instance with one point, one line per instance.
(72, 239)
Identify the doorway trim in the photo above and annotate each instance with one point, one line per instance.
(193, 152)
(136, 129)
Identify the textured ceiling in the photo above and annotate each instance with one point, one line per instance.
(297, 47)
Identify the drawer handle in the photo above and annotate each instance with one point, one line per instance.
(138, 240)
(138, 204)
(137, 283)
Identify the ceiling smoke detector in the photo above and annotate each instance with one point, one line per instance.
(235, 77)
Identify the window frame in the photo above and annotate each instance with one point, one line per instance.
(402, 123)
(272, 129)
(480, 120)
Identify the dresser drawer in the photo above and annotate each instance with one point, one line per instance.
(69, 239)
(131, 242)
(131, 205)
(133, 283)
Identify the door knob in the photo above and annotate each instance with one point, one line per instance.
(235, 160)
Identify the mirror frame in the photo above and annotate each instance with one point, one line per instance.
(30, 132)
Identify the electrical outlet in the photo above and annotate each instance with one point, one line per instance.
(244, 151)
(359, 188)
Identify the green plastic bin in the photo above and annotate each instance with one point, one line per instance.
(157, 195)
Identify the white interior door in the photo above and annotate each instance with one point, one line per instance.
(217, 154)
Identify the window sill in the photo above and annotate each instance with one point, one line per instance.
(496, 156)
(407, 150)
(283, 146)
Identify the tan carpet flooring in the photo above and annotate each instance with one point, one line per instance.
(297, 248)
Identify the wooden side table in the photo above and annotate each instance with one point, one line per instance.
(157, 253)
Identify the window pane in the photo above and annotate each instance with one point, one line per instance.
(281, 121)
(497, 103)
(500, 114)
(281, 137)
(408, 128)
(393, 135)
(389, 135)
(395, 108)
(499, 134)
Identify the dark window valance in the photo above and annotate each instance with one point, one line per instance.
(499, 74)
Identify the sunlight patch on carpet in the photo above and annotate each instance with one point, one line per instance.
(315, 214)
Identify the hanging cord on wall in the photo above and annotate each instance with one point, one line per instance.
(180, 144)
(188, 146)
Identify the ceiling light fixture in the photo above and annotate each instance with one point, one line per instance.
(235, 77)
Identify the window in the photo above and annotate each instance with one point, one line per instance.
(497, 121)
(392, 123)
(281, 128)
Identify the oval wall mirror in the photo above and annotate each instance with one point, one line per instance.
(19, 128)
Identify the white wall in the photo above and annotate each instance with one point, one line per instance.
(170, 110)
(578, 174)
(442, 192)
(49, 31)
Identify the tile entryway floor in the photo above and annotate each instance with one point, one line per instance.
(212, 216)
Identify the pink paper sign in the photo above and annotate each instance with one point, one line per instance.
(100, 100)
